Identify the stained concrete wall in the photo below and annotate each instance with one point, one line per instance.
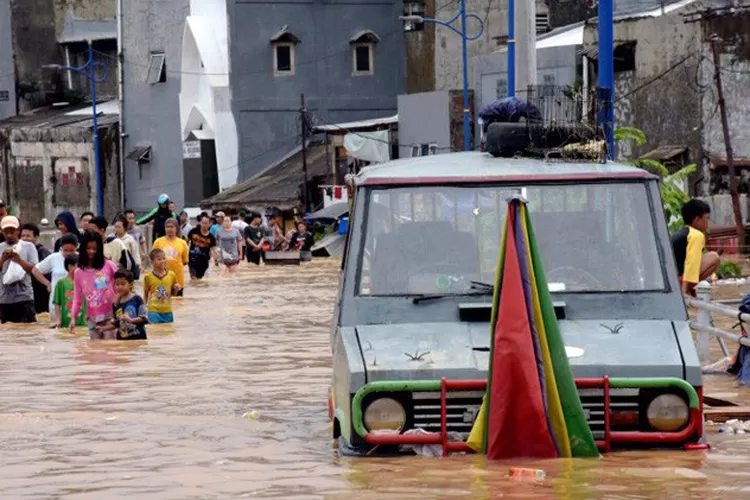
(45, 171)
(7, 73)
(36, 26)
(420, 55)
(734, 30)
(151, 112)
(267, 107)
(661, 96)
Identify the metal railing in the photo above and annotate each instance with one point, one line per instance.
(705, 328)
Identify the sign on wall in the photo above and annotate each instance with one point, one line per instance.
(191, 149)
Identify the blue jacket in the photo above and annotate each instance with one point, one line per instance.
(69, 220)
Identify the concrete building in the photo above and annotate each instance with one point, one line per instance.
(152, 60)
(40, 30)
(557, 58)
(48, 163)
(347, 58)
(7, 72)
(432, 122)
(434, 52)
(206, 118)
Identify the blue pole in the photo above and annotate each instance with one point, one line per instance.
(467, 125)
(511, 48)
(607, 73)
(92, 77)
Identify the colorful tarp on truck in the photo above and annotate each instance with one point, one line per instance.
(531, 407)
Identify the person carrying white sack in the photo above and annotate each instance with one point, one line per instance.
(17, 260)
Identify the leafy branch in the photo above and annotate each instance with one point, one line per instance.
(672, 195)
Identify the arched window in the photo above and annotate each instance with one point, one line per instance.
(284, 45)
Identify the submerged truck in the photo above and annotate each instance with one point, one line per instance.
(411, 330)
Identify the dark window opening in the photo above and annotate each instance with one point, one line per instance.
(362, 59)
(283, 58)
(624, 56)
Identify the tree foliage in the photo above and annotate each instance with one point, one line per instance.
(672, 194)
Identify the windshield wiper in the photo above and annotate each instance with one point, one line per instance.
(424, 298)
(481, 285)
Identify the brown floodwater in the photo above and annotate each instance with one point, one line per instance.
(230, 402)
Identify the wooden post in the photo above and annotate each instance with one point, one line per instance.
(303, 124)
(716, 45)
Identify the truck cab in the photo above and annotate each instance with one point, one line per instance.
(411, 327)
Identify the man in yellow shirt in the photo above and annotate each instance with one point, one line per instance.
(688, 245)
(176, 251)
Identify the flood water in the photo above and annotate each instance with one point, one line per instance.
(231, 402)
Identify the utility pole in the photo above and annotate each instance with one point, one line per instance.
(303, 124)
(606, 90)
(716, 45)
(525, 57)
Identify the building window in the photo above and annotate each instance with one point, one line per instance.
(157, 68)
(363, 48)
(413, 9)
(363, 59)
(542, 23)
(624, 57)
(283, 59)
(4, 95)
(501, 88)
(284, 44)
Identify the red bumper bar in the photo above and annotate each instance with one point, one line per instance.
(694, 427)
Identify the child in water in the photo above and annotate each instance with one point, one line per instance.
(129, 310)
(159, 285)
(94, 282)
(62, 296)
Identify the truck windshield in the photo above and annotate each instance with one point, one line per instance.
(438, 239)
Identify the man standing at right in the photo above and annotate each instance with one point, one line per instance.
(688, 245)
(17, 297)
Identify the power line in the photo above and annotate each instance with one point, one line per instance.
(656, 78)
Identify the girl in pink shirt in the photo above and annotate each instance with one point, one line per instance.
(94, 281)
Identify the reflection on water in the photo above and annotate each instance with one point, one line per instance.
(164, 418)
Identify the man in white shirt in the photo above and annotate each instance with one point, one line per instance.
(238, 222)
(114, 249)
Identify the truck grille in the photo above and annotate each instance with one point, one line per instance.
(463, 407)
(593, 406)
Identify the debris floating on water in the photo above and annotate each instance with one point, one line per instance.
(251, 415)
(522, 474)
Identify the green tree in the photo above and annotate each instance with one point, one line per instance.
(672, 195)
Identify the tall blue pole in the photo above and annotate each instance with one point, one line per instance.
(512, 48)
(606, 92)
(92, 77)
(467, 125)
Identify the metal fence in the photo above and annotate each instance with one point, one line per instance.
(705, 328)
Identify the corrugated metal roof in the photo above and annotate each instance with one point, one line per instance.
(664, 153)
(483, 165)
(349, 126)
(82, 30)
(633, 9)
(276, 186)
(59, 117)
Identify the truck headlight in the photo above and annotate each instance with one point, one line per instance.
(667, 413)
(385, 415)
